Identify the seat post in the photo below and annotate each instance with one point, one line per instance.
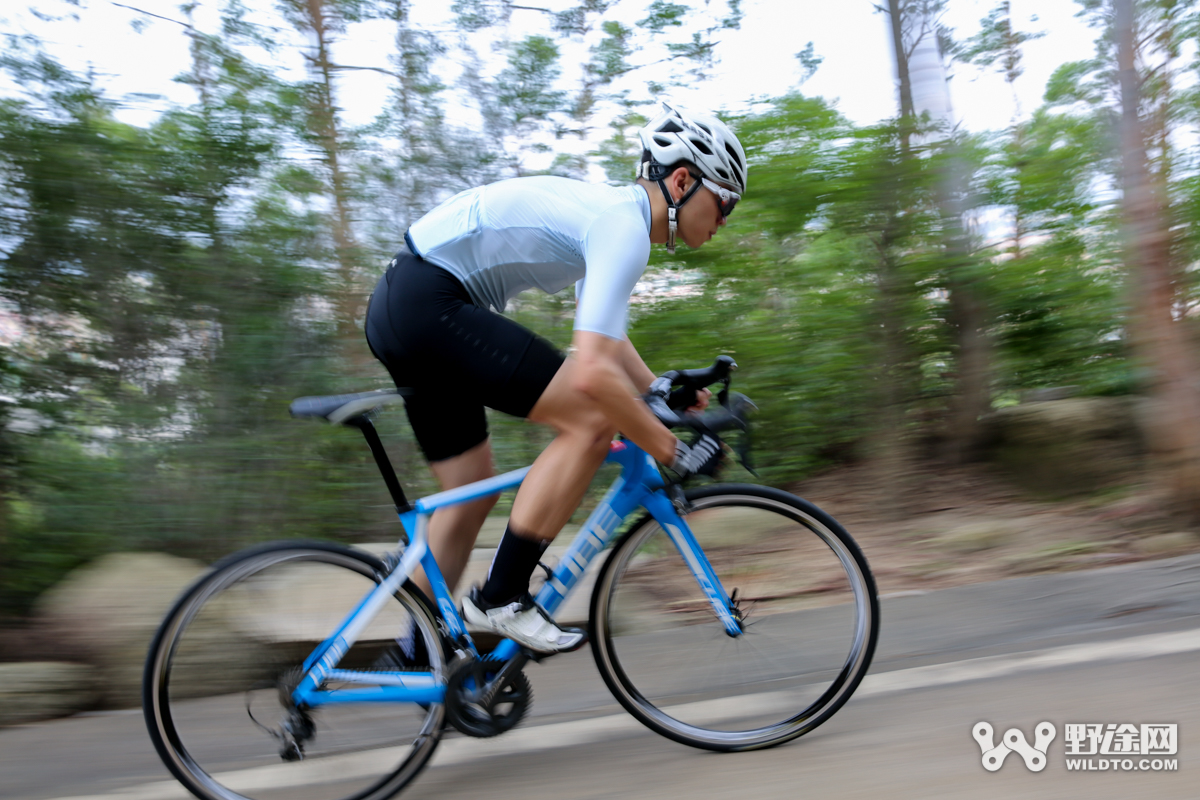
(382, 461)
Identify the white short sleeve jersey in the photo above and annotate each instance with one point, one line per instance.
(548, 233)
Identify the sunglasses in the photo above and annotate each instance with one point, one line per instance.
(725, 198)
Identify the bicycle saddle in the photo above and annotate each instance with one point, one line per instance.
(338, 408)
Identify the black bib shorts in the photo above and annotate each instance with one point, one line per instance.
(457, 357)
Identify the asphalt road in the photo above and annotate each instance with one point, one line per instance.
(1112, 646)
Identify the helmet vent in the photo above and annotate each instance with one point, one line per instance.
(670, 126)
(662, 141)
(704, 128)
(723, 173)
(733, 154)
(702, 147)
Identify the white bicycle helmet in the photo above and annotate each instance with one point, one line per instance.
(677, 135)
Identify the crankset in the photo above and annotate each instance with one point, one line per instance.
(486, 698)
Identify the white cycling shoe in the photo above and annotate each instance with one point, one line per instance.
(524, 622)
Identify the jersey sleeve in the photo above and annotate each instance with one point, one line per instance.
(616, 250)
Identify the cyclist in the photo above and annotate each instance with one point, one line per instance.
(429, 322)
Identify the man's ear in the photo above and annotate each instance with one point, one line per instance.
(679, 181)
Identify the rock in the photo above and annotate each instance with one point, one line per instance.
(1065, 447)
(1044, 395)
(1166, 543)
(108, 611)
(975, 537)
(1053, 556)
(33, 690)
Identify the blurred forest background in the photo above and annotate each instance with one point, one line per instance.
(167, 290)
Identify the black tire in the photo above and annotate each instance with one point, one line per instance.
(239, 634)
(805, 589)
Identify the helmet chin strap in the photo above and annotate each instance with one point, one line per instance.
(673, 208)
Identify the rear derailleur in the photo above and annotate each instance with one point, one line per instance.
(297, 725)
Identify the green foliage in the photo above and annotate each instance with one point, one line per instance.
(997, 41)
(1074, 82)
(162, 277)
(524, 87)
(618, 154)
(472, 15)
(663, 14)
(609, 56)
(810, 62)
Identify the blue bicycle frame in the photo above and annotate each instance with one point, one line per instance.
(638, 485)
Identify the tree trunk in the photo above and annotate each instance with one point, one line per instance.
(968, 316)
(349, 294)
(906, 99)
(893, 452)
(1160, 342)
(893, 456)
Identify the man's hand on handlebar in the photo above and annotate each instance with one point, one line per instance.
(678, 399)
(703, 396)
(703, 457)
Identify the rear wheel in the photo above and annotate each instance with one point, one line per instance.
(220, 672)
(808, 605)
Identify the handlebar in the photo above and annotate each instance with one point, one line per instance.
(693, 379)
(663, 399)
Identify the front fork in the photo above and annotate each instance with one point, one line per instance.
(665, 513)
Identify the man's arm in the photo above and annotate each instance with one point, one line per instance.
(642, 377)
(605, 375)
(636, 368)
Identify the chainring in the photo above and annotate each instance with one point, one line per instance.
(490, 710)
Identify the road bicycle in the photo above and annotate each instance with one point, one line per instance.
(728, 617)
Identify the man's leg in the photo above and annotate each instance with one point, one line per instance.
(552, 490)
(560, 476)
(453, 529)
(452, 533)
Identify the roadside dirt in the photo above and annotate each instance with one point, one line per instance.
(960, 525)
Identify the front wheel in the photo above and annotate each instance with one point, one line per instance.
(809, 610)
(217, 690)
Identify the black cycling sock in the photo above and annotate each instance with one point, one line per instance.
(412, 645)
(513, 565)
(407, 651)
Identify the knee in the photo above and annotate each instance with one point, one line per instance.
(592, 429)
(591, 423)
